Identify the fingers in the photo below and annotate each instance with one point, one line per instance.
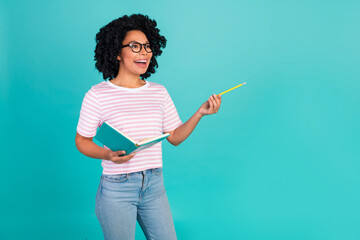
(211, 104)
(118, 153)
(117, 157)
(215, 102)
(127, 157)
(218, 101)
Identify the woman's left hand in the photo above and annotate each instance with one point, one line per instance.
(211, 106)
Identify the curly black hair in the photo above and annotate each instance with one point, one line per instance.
(110, 38)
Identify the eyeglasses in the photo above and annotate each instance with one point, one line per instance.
(136, 47)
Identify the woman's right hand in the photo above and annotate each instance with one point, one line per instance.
(115, 158)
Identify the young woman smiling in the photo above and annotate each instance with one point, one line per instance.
(132, 187)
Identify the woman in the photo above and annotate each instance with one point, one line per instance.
(131, 186)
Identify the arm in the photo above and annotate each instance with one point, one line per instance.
(182, 132)
(86, 146)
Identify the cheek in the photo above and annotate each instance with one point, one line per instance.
(127, 56)
(128, 61)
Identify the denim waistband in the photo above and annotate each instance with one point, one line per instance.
(147, 171)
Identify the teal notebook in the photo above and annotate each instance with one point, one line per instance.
(118, 141)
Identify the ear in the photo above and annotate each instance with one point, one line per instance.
(118, 57)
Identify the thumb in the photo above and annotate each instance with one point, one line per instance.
(120, 152)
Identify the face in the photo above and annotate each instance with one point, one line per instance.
(127, 57)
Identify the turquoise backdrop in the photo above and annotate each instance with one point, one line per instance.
(279, 161)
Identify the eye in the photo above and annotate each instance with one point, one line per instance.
(135, 46)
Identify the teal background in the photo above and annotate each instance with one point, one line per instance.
(280, 160)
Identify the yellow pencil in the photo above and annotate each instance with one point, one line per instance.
(232, 88)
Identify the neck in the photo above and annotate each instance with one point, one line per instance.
(127, 80)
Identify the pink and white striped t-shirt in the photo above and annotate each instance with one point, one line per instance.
(142, 112)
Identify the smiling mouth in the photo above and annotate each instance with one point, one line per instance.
(141, 63)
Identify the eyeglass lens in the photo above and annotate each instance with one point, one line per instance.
(136, 47)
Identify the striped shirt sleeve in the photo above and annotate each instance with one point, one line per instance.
(90, 115)
(171, 119)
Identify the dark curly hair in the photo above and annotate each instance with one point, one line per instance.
(110, 38)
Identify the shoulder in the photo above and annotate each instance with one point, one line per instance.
(98, 88)
(159, 87)
(155, 85)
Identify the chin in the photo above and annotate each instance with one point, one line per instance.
(141, 72)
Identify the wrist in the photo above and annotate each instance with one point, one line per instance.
(107, 154)
(198, 114)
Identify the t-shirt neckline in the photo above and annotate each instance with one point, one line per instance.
(129, 89)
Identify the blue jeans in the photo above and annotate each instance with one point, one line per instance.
(122, 199)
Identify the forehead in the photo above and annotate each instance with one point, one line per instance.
(135, 35)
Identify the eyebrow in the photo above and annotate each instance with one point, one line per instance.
(138, 42)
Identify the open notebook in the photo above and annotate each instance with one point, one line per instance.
(118, 141)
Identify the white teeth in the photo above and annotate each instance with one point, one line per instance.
(144, 61)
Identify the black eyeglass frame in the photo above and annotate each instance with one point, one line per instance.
(141, 45)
